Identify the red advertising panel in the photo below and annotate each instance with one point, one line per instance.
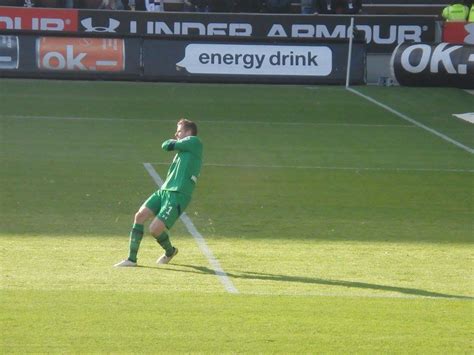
(38, 19)
(80, 54)
(458, 32)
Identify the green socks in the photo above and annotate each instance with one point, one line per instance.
(136, 236)
(164, 240)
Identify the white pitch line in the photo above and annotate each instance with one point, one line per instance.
(467, 117)
(411, 120)
(257, 166)
(201, 242)
(79, 118)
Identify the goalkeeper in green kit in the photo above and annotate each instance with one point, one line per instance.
(166, 205)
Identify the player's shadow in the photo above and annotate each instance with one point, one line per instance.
(319, 281)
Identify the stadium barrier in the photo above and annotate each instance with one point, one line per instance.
(187, 32)
(441, 64)
(179, 60)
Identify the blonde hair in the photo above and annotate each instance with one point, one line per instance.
(189, 125)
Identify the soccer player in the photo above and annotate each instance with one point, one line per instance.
(166, 205)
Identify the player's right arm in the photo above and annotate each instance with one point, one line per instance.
(168, 145)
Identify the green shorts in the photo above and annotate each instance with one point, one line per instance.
(167, 205)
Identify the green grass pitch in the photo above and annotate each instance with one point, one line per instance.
(343, 227)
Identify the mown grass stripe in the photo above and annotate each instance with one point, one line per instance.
(232, 122)
(411, 120)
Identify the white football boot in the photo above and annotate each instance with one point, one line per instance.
(125, 263)
(166, 259)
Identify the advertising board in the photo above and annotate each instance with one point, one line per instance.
(180, 60)
(80, 54)
(70, 57)
(38, 19)
(381, 33)
(9, 52)
(252, 62)
(458, 32)
(441, 64)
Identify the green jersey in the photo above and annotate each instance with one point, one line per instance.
(186, 166)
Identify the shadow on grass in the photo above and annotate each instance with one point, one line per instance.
(318, 281)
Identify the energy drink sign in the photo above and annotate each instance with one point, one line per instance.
(256, 60)
(9, 52)
(252, 62)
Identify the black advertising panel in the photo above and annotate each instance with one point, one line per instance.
(198, 61)
(9, 52)
(26, 56)
(382, 33)
(71, 57)
(441, 64)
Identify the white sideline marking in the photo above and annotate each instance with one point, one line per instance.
(224, 279)
(468, 116)
(131, 119)
(256, 166)
(411, 120)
